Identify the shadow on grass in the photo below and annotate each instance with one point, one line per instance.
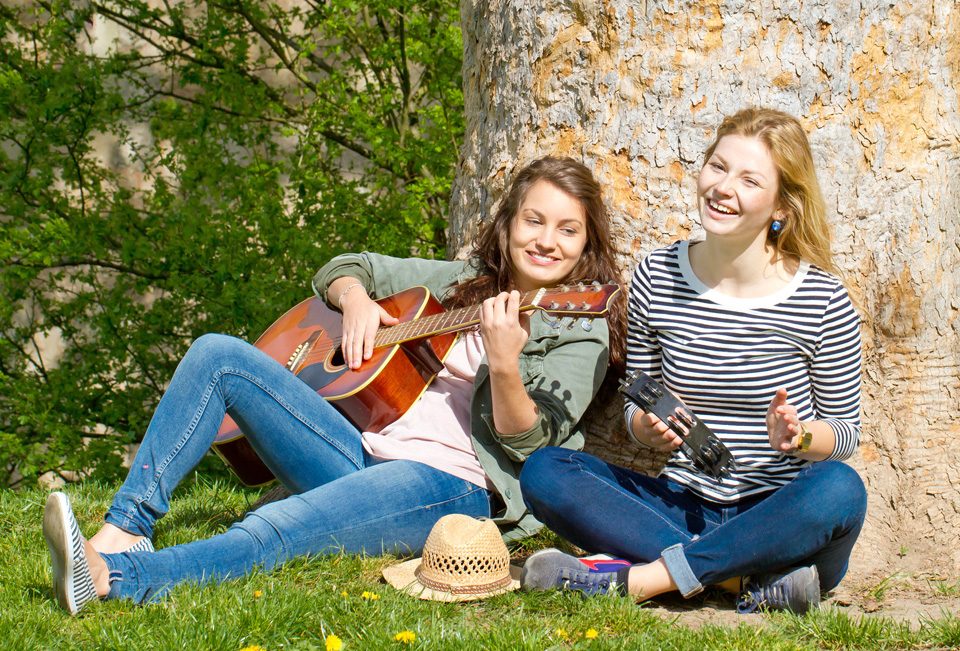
(204, 518)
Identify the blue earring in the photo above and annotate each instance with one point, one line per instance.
(775, 227)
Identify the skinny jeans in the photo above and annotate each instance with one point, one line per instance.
(343, 500)
(604, 508)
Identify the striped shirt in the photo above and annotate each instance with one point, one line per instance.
(725, 357)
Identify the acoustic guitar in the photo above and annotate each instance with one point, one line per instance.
(406, 357)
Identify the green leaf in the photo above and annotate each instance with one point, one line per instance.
(155, 191)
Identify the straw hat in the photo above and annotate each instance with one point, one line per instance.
(464, 559)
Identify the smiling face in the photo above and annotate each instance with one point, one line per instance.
(738, 189)
(547, 237)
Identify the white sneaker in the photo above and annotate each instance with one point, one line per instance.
(72, 582)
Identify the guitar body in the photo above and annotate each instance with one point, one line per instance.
(306, 340)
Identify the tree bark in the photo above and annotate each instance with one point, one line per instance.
(636, 89)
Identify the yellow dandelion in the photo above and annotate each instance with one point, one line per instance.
(405, 637)
(591, 634)
(369, 596)
(257, 594)
(334, 643)
(561, 633)
(253, 647)
(343, 593)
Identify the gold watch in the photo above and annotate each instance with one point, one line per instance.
(803, 439)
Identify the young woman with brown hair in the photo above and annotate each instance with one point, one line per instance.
(511, 386)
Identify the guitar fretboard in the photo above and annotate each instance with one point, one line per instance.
(580, 300)
(443, 323)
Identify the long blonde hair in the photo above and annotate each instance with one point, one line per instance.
(806, 233)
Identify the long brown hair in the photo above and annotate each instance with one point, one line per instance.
(806, 233)
(490, 250)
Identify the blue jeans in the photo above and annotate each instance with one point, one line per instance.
(601, 507)
(343, 500)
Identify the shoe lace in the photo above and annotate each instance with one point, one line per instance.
(754, 596)
(589, 583)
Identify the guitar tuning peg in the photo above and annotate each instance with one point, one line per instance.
(571, 306)
(586, 324)
(554, 305)
(585, 306)
(572, 323)
(551, 321)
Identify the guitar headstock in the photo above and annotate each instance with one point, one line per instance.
(574, 300)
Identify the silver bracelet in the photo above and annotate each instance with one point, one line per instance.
(344, 293)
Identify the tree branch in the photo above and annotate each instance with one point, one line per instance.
(91, 262)
(219, 63)
(267, 35)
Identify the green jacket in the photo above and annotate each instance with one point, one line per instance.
(561, 367)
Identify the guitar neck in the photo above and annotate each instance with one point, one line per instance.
(443, 323)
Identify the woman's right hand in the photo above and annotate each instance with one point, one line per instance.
(362, 317)
(650, 430)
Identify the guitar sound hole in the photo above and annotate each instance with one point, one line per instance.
(337, 358)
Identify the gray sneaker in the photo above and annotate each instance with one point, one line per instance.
(797, 590)
(551, 568)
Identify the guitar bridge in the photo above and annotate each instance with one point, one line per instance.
(300, 352)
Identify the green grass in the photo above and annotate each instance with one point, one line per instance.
(299, 605)
(946, 588)
(879, 591)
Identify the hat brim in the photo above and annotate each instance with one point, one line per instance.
(403, 577)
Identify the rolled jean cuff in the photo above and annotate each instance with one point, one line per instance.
(680, 572)
(127, 523)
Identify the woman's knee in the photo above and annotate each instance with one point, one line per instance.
(212, 352)
(540, 477)
(214, 345)
(841, 482)
(839, 486)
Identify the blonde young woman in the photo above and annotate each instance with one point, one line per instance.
(753, 330)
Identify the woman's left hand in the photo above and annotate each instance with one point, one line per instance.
(504, 333)
(783, 423)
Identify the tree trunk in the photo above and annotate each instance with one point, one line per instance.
(636, 89)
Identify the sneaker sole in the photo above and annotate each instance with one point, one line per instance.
(813, 597)
(56, 531)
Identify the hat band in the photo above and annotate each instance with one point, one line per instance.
(462, 589)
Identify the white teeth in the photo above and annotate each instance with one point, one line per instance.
(716, 206)
(542, 258)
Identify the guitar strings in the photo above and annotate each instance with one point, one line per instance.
(432, 325)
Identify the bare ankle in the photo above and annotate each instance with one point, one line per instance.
(731, 585)
(111, 539)
(98, 570)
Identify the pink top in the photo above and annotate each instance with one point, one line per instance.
(436, 429)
